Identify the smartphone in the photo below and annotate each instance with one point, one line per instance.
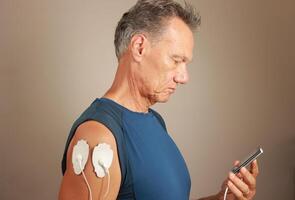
(246, 162)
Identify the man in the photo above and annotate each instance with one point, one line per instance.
(154, 43)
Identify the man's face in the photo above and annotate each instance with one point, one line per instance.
(164, 65)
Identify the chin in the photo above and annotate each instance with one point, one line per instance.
(163, 99)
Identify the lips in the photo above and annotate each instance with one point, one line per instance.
(172, 90)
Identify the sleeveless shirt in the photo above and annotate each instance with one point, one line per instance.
(152, 167)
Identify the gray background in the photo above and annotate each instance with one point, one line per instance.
(58, 55)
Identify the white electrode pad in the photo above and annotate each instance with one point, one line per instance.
(102, 158)
(80, 156)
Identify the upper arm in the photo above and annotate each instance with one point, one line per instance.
(73, 186)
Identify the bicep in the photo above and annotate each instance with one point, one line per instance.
(74, 186)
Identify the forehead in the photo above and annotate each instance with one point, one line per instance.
(178, 38)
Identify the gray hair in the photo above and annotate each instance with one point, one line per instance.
(149, 16)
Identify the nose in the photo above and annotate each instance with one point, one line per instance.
(181, 75)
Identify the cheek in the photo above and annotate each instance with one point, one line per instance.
(164, 81)
(165, 76)
(158, 71)
(168, 78)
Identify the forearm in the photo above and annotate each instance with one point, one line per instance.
(213, 197)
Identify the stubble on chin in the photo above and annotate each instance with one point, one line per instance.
(162, 98)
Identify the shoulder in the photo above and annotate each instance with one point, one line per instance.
(93, 133)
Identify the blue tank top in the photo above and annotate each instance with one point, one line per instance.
(152, 167)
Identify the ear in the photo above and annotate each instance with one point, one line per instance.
(138, 45)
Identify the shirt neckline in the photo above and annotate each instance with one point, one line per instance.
(124, 108)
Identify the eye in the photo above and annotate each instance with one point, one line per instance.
(177, 61)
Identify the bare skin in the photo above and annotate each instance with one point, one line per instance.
(148, 73)
(73, 186)
(241, 186)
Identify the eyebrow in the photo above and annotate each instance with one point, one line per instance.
(184, 58)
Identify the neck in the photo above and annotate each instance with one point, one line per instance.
(125, 90)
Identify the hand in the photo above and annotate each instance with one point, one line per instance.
(241, 186)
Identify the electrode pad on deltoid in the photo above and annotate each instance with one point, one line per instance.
(80, 156)
(102, 157)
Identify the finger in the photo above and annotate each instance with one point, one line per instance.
(248, 178)
(239, 175)
(224, 185)
(235, 191)
(242, 186)
(254, 168)
(236, 163)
